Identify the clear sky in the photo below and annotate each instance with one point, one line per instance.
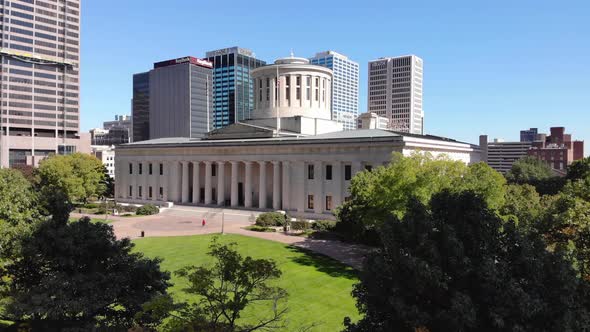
(492, 67)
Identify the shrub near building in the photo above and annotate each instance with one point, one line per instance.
(271, 219)
(147, 210)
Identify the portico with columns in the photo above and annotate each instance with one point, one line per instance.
(307, 177)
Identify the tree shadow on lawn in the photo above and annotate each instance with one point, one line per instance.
(323, 263)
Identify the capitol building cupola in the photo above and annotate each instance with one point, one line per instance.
(303, 90)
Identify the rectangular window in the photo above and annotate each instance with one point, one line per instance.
(328, 203)
(310, 202)
(347, 199)
(328, 172)
(267, 88)
(150, 192)
(298, 92)
(310, 171)
(308, 88)
(368, 168)
(161, 169)
(140, 170)
(347, 172)
(213, 170)
(151, 169)
(288, 87)
(130, 169)
(139, 191)
(161, 192)
(130, 191)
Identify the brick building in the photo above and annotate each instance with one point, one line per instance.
(557, 149)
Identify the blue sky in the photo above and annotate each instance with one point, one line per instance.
(492, 67)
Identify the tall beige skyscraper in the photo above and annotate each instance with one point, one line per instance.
(395, 92)
(40, 103)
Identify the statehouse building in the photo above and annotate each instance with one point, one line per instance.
(290, 156)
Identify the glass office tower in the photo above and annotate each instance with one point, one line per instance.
(141, 107)
(233, 88)
(345, 87)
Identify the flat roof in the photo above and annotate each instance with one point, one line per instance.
(359, 135)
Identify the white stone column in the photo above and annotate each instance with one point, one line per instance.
(248, 184)
(286, 184)
(175, 178)
(262, 189)
(319, 187)
(208, 178)
(338, 179)
(234, 184)
(185, 182)
(221, 183)
(196, 182)
(276, 185)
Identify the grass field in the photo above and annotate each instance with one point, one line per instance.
(319, 287)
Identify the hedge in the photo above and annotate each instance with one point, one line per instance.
(271, 219)
(147, 210)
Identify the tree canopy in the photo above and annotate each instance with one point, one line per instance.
(78, 176)
(529, 170)
(18, 210)
(454, 265)
(387, 190)
(78, 275)
(579, 169)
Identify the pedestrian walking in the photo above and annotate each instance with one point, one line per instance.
(203, 223)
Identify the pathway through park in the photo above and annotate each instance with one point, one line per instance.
(187, 220)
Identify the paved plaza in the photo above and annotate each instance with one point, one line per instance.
(187, 220)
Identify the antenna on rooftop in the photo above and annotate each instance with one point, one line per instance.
(292, 54)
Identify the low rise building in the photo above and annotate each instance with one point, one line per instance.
(501, 155)
(558, 150)
(106, 154)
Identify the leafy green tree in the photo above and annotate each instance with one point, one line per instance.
(579, 169)
(456, 266)
(566, 225)
(387, 190)
(483, 180)
(226, 289)
(78, 176)
(523, 204)
(78, 275)
(530, 170)
(18, 209)
(108, 183)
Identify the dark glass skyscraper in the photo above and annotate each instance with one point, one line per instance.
(141, 107)
(233, 88)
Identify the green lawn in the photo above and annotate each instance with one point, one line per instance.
(319, 288)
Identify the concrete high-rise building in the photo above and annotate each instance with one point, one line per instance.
(233, 90)
(173, 100)
(345, 87)
(40, 107)
(395, 92)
